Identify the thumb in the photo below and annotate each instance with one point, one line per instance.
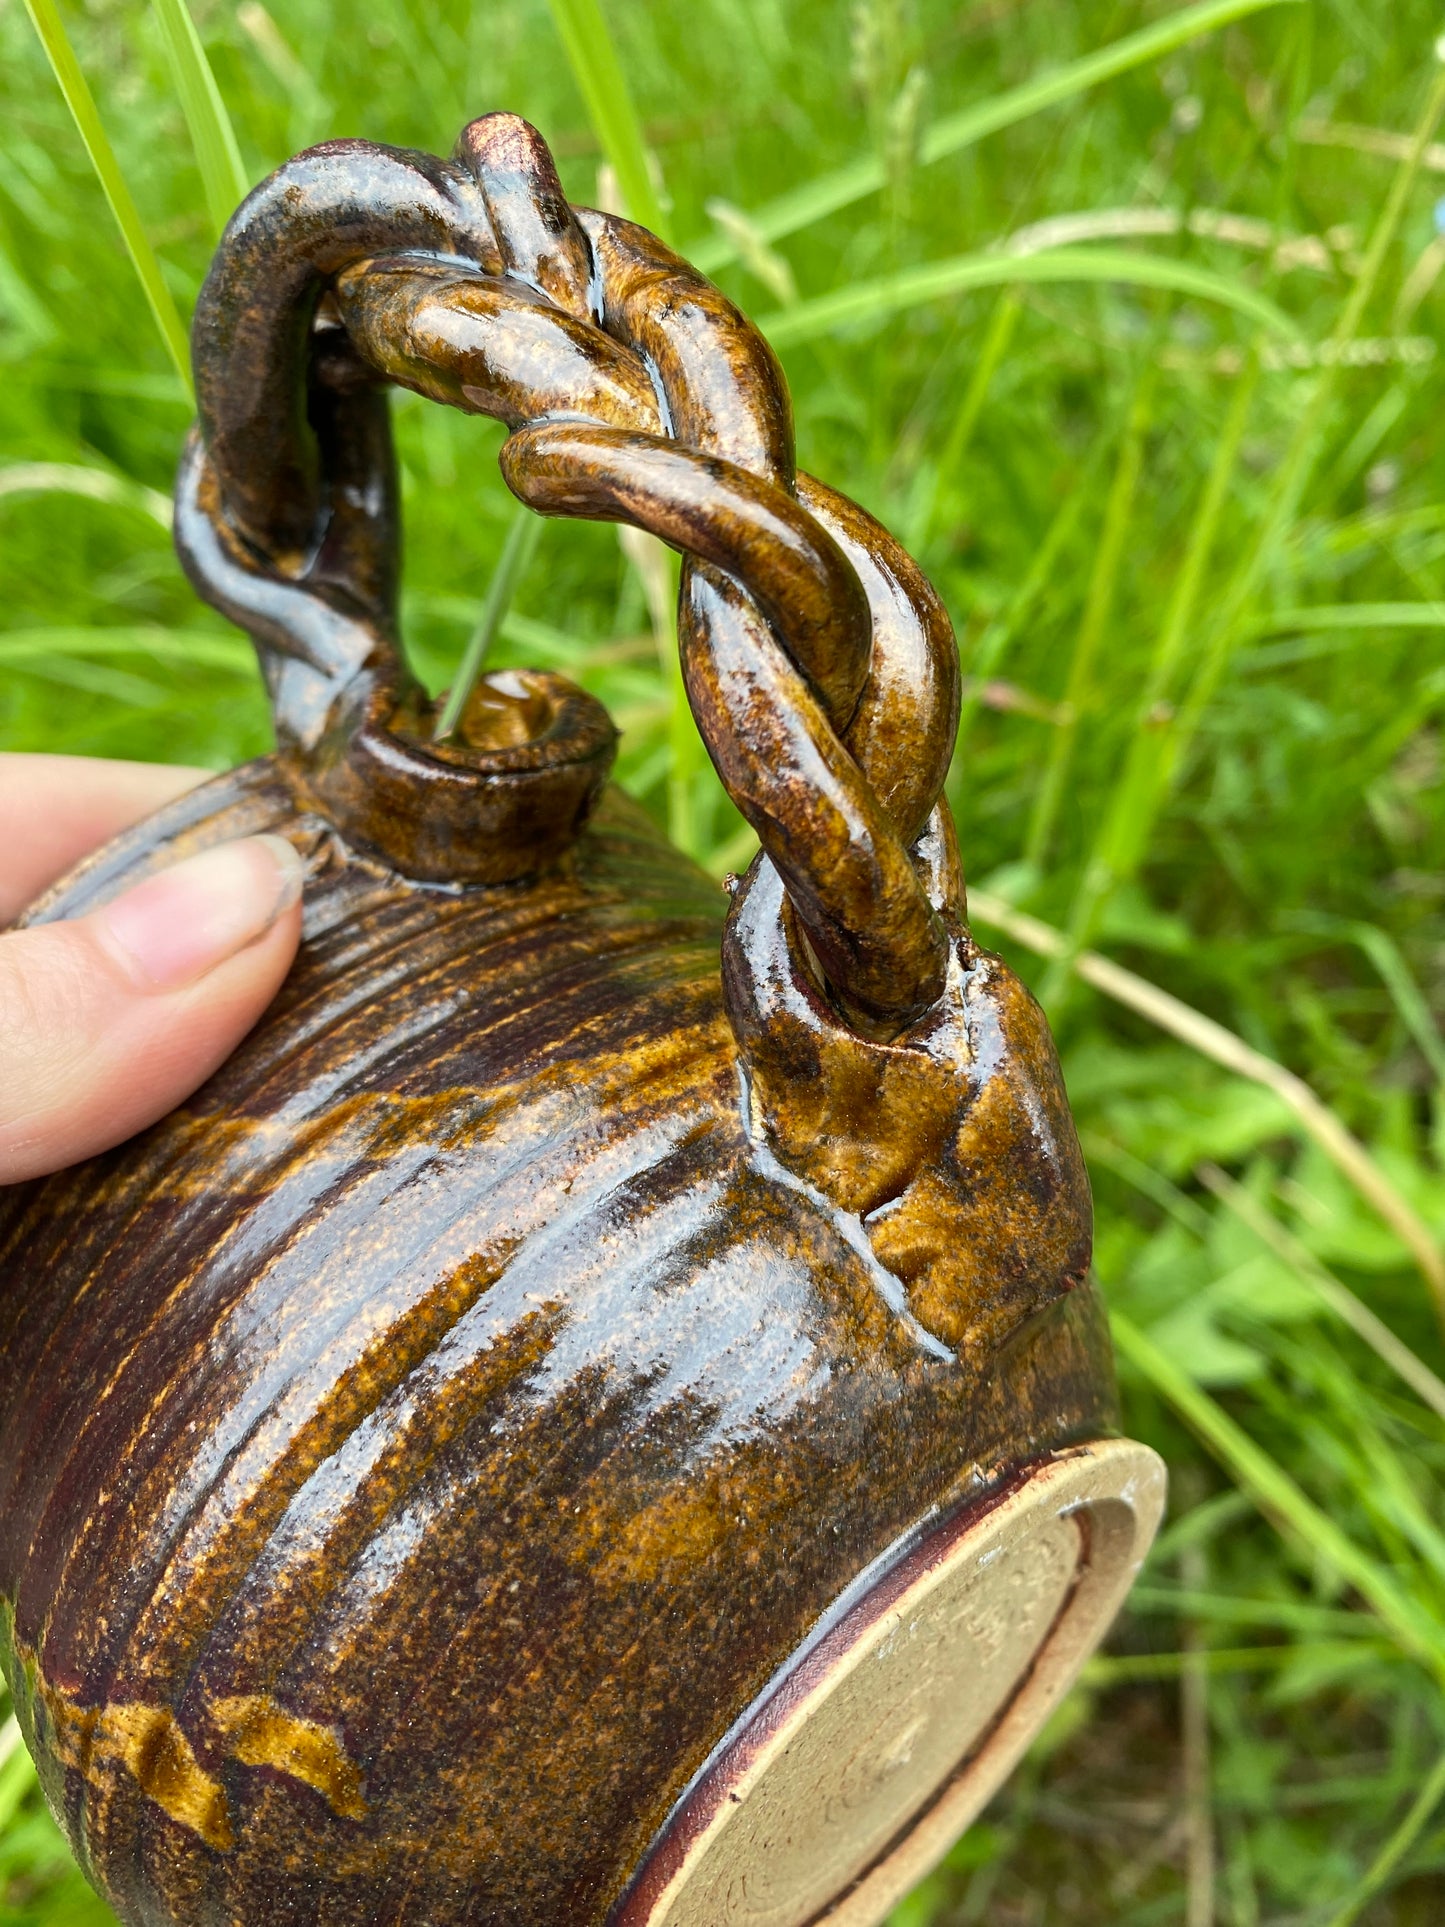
(108, 1022)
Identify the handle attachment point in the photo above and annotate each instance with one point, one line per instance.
(503, 797)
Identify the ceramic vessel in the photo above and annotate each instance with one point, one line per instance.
(596, 1413)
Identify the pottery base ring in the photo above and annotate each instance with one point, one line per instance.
(881, 1740)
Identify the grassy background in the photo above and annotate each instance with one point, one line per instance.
(1195, 550)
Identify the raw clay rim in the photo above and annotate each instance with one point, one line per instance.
(1096, 1483)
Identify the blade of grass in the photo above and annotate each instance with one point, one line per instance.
(1276, 1615)
(1382, 142)
(1279, 1498)
(997, 337)
(1214, 1041)
(1395, 1848)
(872, 300)
(1351, 615)
(989, 651)
(954, 132)
(1283, 655)
(46, 20)
(603, 86)
(567, 651)
(1196, 1745)
(1098, 609)
(1394, 1505)
(212, 135)
(16, 1780)
(1161, 223)
(28, 313)
(126, 384)
(22, 648)
(1415, 1013)
(310, 107)
(1351, 1310)
(524, 531)
(765, 264)
(1370, 529)
(97, 679)
(1205, 1522)
(1122, 838)
(1158, 752)
(1303, 452)
(1152, 1184)
(96, 484)
(1368, 437)
(1114, 1670)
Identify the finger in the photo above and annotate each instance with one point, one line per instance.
(54, 809)
(109, 1021)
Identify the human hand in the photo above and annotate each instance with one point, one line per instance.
(108, 1021)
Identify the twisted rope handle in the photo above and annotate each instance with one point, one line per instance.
(820, 665)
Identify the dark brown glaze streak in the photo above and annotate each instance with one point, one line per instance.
(418, 1450)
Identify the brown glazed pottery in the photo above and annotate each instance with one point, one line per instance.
(597, 1412)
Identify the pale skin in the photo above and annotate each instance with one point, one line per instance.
(110, 1020)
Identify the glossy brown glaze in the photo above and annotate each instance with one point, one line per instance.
(636, 393)
(419, 1451)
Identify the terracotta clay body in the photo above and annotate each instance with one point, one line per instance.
(595, 1413)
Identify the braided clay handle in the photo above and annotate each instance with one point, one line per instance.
(820, 665)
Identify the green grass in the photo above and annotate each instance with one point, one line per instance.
(1182, 491)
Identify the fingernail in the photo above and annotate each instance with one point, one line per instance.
(174, 927)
